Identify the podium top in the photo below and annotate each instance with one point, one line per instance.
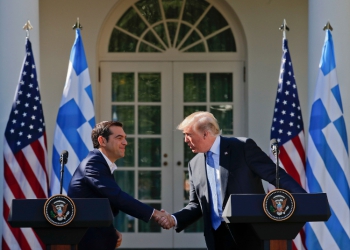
(89, 213)
(248, 208)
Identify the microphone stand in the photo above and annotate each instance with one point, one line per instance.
(63, 161)
(275, 151)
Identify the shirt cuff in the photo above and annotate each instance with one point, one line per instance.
(174, 220)
(152, 215)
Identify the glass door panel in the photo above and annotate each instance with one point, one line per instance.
(141, 100)
(213, 87)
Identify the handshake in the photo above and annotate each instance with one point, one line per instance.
(163, 218)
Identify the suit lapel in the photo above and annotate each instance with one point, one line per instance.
(224, 166)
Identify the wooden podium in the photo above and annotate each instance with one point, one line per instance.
(89, 213)
(248, 208)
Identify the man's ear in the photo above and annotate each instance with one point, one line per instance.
(205, 134)
(101, 140)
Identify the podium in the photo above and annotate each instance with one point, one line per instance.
(89, 213)
(248, 208)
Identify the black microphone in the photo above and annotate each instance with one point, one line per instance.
(276, 151)
(64, 157)
(63, 161)
(274, 146)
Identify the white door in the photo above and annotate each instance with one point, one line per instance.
(140, 96)
(203, 86)
(151, 99)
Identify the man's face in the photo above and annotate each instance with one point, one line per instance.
(195, 140)
(114, 148)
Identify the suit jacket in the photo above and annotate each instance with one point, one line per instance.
(242, 166)
(93, 179)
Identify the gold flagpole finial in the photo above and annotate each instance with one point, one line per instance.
(284, 28)
(27, 26)
(77, 25)
(328, 27)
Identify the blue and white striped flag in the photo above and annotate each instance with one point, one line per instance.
(327, 166)
(75, 119)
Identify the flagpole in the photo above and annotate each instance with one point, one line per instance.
(27, 26)
(77, 25)
(284, 28)
(328, 27)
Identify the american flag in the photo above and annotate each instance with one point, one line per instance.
(288, 129)
(25, 155)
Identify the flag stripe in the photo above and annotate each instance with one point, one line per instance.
(288, 165)
(16, 233)
(299, 146)
(312, 239)
(14, 187)
(302, 236)
(29, 174)
(336, 228)
(38, 150)
(36, 168)
(63, 144)
(322, 182)
(331, 164)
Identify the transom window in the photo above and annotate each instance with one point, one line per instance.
(159, 25)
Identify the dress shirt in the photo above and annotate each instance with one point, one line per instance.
(112, 166)
(215, 149)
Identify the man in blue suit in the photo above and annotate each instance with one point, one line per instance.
(223, 166)
(94, 179)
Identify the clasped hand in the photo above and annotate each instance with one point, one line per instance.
(164, 219)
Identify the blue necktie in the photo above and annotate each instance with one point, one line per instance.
(215, 217)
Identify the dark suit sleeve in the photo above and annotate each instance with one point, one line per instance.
(99, 178)
(192, 212)
(265, 168)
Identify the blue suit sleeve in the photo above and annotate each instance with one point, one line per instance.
(99, 178)
(264, 167)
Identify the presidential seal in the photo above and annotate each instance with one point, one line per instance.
(59, 210)
(279, 205)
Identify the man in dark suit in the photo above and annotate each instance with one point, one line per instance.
(224, 166)
(94, 179)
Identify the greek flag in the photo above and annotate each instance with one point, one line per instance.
(75, 119)
(327, 166)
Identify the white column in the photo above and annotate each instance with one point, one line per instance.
(13, 16)
(337, 12)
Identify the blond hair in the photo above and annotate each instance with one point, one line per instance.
(201, 121)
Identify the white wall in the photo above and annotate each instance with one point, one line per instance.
(13, 16)
(261, 21)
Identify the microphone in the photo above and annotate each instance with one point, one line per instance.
(275, 151)
(274, 147)
(64, 157)
(63, 161)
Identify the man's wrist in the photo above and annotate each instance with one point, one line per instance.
(175, 220)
